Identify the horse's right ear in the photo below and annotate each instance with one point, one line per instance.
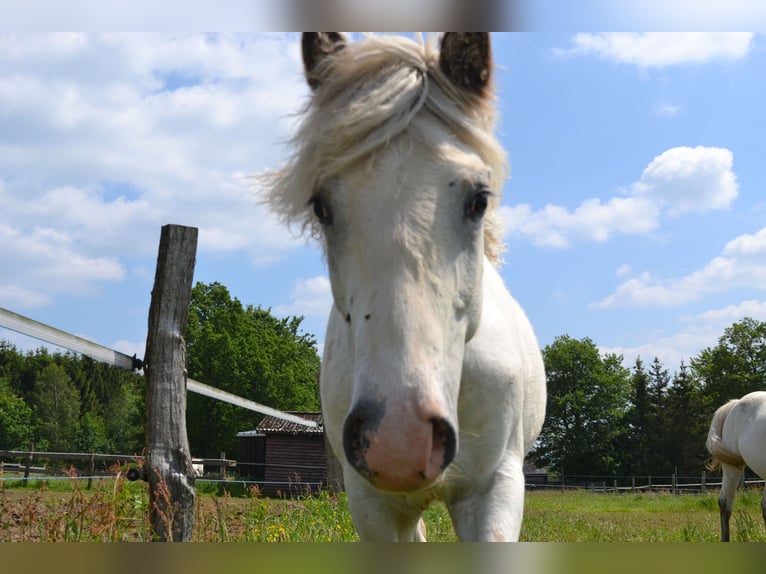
(316, 47)
(466, 59)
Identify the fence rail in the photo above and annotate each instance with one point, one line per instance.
(673, 484)
(223, 464)
(227, 471)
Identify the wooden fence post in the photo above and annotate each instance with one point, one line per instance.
(28, 464)
(168, 460)
(92, 469)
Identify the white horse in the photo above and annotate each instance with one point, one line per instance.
(737, 438)
(432, 381)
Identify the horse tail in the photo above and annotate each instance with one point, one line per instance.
(719, 453)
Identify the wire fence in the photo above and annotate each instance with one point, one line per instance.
(54, 466)
(58, 466)
(672, 484)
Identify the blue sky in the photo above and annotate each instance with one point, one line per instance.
(635, 213)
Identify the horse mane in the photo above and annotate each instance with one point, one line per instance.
(720, 454)
(372, 91)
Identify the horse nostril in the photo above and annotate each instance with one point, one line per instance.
(363, 418)
(352, 440)
(444, 441)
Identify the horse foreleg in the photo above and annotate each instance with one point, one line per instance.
(729, 484)
(763, 506)
(381, 517)
(492, 512)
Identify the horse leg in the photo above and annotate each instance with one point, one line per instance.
(493, 512)
(381, 517)
(763, 506)
(729, 484)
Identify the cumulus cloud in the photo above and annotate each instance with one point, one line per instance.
(41, 261)
(741, 265)
(680, 180)
(694, 333)
(556, 226)
(104, 138)
(311, 297)
(684, 179)
(661, 49)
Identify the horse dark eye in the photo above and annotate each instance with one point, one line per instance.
(321, 210)
(477, 204)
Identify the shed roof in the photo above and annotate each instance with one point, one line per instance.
(275, 425)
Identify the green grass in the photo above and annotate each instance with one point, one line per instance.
(581, 516)
(117, 510)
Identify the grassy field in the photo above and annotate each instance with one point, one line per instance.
(116, 510)
(582, 516)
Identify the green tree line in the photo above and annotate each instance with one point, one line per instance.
(603, 418)
(63, 402)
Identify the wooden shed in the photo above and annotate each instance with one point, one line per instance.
(287, 458)
(533, 476)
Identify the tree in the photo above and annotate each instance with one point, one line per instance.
(639, 420)
(91, 434)
(686, 427)
(247, 351)
(735, 366)
(124, 414)
(587, 402)
(56, 405)
(15, 419)
(660, 459)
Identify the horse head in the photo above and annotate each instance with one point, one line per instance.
(402, 177)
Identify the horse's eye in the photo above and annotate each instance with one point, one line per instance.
(321, 210)
(477, 204)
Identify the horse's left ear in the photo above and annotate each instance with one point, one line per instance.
(466, 59)
(316, 46)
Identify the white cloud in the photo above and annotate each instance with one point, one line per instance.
(623, 270)
(679, 180)
(742, 265)
(105, 138)
(661, 49)
(42, 261)
(667, 110)
(695, 333)
(684, 179)
(310, 297)
(592, 220)
(730, 314)
(15, 297)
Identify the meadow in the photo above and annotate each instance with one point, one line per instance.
(117, 510)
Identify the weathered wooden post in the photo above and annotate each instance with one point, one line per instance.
(168, 460)
(28, 461)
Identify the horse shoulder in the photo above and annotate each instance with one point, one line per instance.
(503, 363)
